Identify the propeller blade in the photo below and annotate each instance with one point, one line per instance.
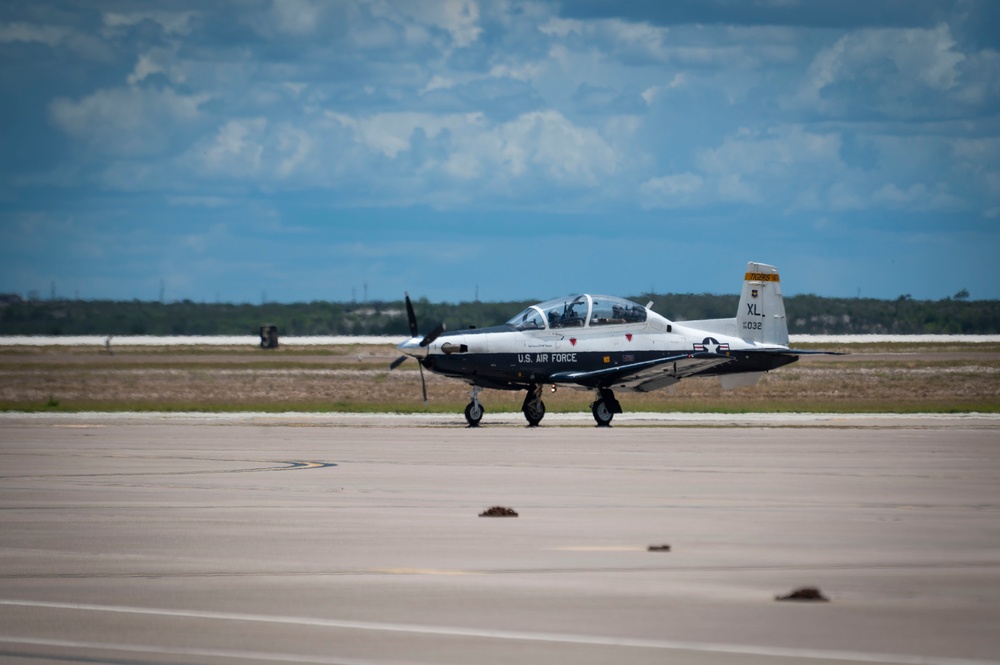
(410, 316)
(432, 336)
(423, 385)
(397, 362)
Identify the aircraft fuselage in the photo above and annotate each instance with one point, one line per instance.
(504, 358)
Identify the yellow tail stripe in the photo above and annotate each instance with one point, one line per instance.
(761, 277)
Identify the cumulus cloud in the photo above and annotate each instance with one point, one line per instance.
(236, 149)
(893, 71)
(776, 150)
(455, 100)
(172, 23)
(458, 18)
(544, 144)
(425, 157)
(671, 191)
(296, 17)
(918, 197)
(156, 61)
(126, 121)
(50, 35)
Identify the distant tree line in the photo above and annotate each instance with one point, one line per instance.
(807, 314)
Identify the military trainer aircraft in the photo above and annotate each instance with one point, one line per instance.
(604, 343)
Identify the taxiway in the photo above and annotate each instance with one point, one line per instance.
(357, 539)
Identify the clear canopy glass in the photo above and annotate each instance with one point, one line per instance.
(579, 311)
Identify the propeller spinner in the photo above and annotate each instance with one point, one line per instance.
(416, 346)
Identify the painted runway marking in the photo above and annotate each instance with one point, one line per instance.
(423, 571)
(286, 466)
(512, 635)
(597, 548)
(177, 651)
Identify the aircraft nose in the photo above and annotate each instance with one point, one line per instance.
(411, 347)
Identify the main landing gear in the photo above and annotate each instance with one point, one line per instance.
(605, 407)
(533, 407)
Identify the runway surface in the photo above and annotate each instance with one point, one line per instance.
(161, 539)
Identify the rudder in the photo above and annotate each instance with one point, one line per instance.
(761, 314)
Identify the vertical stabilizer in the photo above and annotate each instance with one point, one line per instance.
(761, 315)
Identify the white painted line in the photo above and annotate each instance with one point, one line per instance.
(520, 636)
(183, 651)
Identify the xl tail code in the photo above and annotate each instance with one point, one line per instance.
(761, 314)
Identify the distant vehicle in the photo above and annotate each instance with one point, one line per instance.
(268, 336)
(605, 343)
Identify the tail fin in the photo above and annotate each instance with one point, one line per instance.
(761, 315)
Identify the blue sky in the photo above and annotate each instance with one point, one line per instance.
(298, 150)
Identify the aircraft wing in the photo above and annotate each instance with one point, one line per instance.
(644, 376)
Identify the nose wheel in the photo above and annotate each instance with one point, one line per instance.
(474, 410)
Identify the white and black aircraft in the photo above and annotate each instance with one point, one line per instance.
(604, 343)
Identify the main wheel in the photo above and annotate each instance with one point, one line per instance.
(534, 412)
(602, 414)
(474, 413)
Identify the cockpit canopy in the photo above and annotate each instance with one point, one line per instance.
(579, 311)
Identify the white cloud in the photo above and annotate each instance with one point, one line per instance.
(562, 27)
(296, 17)
(50, 35)
(55, 36)
(156, 61)
(126, 121)
(237, 149)
(437, 83)
(543, 144)
(918, 197)
(524, 71)
(418, 156)
(295, 146)
(672, 191)
(459, 18)
(390, 133)
(172, 23)
(776, 151)
(889, 69)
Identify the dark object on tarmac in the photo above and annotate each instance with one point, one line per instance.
(498, 511)
(658, 548)
(268, 336)
(805, 593)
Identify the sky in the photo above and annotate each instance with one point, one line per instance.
(301, 150)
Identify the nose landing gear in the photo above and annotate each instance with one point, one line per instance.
(474, 410)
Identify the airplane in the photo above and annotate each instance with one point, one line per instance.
(605, 343)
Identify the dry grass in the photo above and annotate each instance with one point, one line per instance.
(355, 378)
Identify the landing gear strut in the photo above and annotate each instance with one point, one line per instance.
(605, 407)
(533, 407)
(474, 410)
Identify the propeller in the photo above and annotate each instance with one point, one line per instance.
(423, 344)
